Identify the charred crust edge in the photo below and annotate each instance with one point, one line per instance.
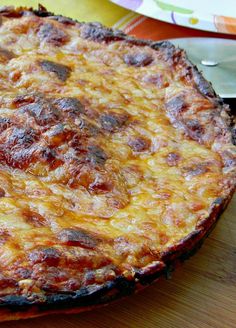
(93, 296)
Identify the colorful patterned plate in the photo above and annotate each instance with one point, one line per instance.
(211, 15)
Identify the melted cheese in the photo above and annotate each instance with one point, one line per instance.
(98, 173)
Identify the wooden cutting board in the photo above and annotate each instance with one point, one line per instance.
(201, 293)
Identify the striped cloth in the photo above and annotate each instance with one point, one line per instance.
(114, 16)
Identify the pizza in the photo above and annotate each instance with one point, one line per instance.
(116, 160)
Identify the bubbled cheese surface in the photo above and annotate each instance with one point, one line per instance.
(108, 156)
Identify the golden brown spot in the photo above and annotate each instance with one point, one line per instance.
(15, 75)
(92, 179)
(21, 137)
(5, 123)
(176, 105)
(2, 192)
(181, 115)
(229, 158)
(17, 147)
(42, 110)
(49, 156)
(96, 155)
(77, 237)
(4, 236)
(6, 282)
(54, 279)
(53, 35)
(156, 79)
(173, 159)
(194, 129)
(6, 55)
(100, 185)
(138, 59)
(34, 218)
(113, 121)
(59, 134)
(163, 238)
(195, 170)
(196, 206)
(23, 273)
(70, 105)
(23, 100)
(97, 32)
(63, 20)
(61, 71)
(50, 256)
(139, 144)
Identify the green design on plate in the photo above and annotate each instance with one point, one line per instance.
(166, 6)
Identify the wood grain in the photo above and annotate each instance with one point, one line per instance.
(201, 293)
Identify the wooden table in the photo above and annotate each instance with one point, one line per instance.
(201, 293)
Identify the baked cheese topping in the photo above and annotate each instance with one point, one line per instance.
(109, 154)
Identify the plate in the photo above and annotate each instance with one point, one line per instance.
(212, 15)
(216, 58)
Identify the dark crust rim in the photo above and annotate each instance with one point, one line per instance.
(16, 307)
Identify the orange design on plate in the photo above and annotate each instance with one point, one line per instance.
(225, 24)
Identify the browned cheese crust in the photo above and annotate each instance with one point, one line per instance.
(116, 159)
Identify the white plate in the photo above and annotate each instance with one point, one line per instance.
(208, 15)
